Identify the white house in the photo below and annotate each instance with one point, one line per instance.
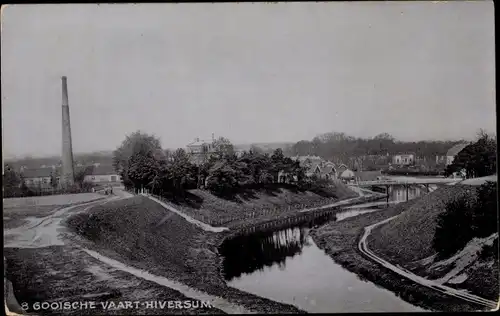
(103, 174)
(403, 159)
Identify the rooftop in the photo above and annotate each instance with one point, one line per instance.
(453, 151)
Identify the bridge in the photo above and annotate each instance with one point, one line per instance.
(406, 182)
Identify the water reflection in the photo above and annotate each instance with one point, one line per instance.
(253, 252)
(288, 267)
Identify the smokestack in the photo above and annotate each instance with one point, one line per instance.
(68, 174)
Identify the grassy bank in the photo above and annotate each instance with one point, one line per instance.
(407, 241)
(409, 237)
(142, 234)
(340, 241)
(271, 201)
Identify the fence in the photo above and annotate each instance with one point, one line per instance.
(244, 214)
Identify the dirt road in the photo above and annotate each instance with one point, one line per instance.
(363, 247)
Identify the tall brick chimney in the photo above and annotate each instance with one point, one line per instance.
(68, 174)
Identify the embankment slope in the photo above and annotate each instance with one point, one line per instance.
(142, 234)
(278, 197)
(409, 236)
(407, 241)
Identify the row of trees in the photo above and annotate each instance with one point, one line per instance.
(342, 148)
(142, 163)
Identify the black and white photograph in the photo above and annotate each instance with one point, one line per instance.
(249, 158)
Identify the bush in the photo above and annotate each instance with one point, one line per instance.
(466, 218)
(485, 220)
(454, 228)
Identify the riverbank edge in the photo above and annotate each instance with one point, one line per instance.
(354, 261)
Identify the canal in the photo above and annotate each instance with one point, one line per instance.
(287, 266)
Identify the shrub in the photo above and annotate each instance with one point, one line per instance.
(454, 227)
(485, 221)
(466, 218)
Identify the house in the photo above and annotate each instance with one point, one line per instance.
(453, 151)
(200, 147)
(403, 159)
(341, 168)
(327, 172)
(103, 174)
(40, 177)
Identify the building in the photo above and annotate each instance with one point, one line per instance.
(42, 177)
(405, 159)
(453, 151)
(102, 174)
(200, 147)
(341, 168)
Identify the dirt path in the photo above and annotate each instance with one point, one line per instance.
(363, 247)
(188, 218)
(215, 301)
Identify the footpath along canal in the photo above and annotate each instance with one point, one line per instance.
(286, 266)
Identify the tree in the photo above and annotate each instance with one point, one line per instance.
(11, 182)
(223, 179)
(142, 169)
(133, 144)
(53, 180)
(223, 148)
(477, 159)
(80, 175)
(277, 163)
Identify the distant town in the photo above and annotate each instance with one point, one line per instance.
(324, 157)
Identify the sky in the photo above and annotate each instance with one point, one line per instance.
(251, 72)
